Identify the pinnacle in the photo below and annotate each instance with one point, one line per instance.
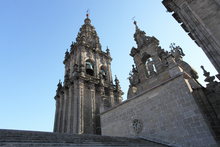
(87, 20)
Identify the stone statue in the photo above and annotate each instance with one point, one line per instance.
(101, 80)
(176, 51)
(67, 54)
(209, 79)
(133, 76)
(163, 55)
(59, 86)
(150, 65)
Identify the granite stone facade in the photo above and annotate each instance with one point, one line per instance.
(88, 87)
(200, 19)
(168, 114)
(165, 101)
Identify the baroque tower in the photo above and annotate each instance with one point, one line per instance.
(88, 87)
(152, 64)
(165, 102)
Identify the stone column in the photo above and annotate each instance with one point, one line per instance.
(96, 63)
(93, 106)
(109, 74)
(81, 108)
(61, 112)
(104, 100)
(64, 111)
(75, 104)
(56, 114)
(112, 98)
(71, 109)
(82, 61)
(66, 105)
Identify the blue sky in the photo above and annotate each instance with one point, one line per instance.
(34, 36)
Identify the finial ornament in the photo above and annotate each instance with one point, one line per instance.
(117, 82)
(209, 79)
(133, 18)
(205, 73)
(172, 45)
(87, 13)
(176, 51)
(107, 50)
(135, 22)
(116, 77)
(87, 20)
(59, 85)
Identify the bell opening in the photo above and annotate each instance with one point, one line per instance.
(89, 68)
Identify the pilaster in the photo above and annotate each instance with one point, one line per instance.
(81, 107)
(93, 106)
(59, 113)
(76, 106)
(56, 115)
(70, 109)
(61, 127)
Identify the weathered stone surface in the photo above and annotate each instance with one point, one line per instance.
(166, 104)
(15, 138)
(168, 112)
(162, 101)
(200, 19)
(88, 86)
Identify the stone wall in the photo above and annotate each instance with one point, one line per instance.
(200, 19)
(19, 138)
(166, 113)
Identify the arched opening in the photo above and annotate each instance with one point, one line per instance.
(150, 65)
(103, 72)
(89, 68)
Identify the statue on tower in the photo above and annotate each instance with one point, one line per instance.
(176, 51)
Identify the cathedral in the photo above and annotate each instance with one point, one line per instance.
(165, 102)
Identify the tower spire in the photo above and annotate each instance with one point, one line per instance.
(87, 20)
(135, 23)
(139, 35)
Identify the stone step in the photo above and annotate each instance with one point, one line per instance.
(70, 140)
(16, 138)
(65, 145)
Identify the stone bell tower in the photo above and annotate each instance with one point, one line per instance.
(88, 87)
(153, 64)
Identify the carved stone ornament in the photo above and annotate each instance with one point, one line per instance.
(133, 51)
(137, 126)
